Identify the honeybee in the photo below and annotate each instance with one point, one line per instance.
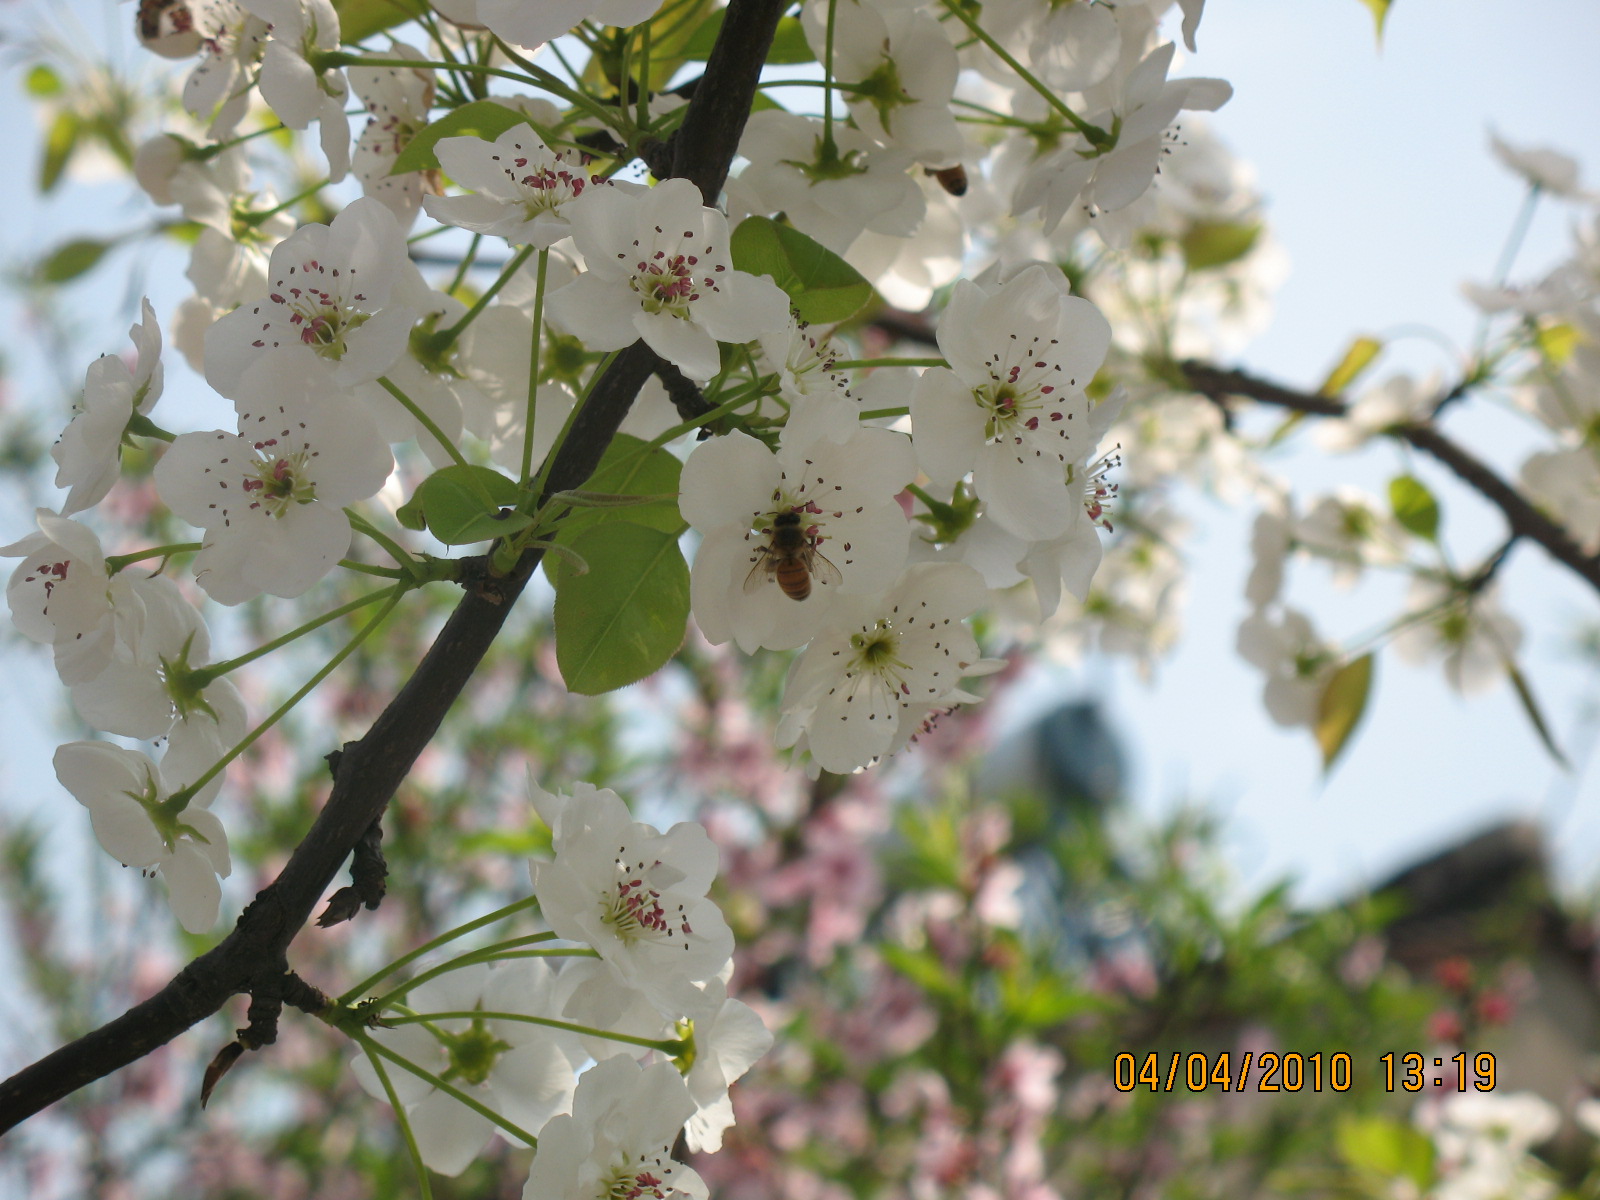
(792, 558)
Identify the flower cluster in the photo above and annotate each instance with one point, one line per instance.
(555, 1055)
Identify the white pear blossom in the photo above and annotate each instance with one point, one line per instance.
(519, 1069)
(1110, 176)
(831, 200)
(820, 403)
(495, 353)
(1542, 167)
(903, 69)
(520, 189)
(906, 271)
(659, 270)
(734, 491)
(617, 1141)
(1398, 400)
(727, 1034)
(60, 595)
(878, 657)
(1567, 484)
(1349, 530)
(1271, 538)
(728, 1039)
(297, 91)
(146, 690)
(532, 25)
(89, 452)
(636, 895)
(434, 383)
(1011, 407)
(1072, 558)
(125, 792)
(1297, 664)
(157, 160)
(328, 300)
(1476, 638)
(1070, 46)
(397, 100)
(1484, 1143)
(232, 40)
(270, 499)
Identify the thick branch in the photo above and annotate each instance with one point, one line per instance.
(1523, 519)
(369, 770)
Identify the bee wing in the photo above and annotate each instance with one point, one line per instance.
(824, 572)
(761, 572)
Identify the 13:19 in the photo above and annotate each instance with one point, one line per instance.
(1413, 1079)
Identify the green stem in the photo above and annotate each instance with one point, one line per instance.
(642, 114)
(572, 96)
(361, 568)
(873, 414)
(470, 257)
(204, 675)
(446, 338)
(343, 58)
(394, 549)
(450, 935)
(372, 1045)
(890, 362)
(187, 793)
(829, 151)
(142, 426)
(450, 447)
(116, 562)
(205, 153)
(382, 1072)
(834, 86)
(533, 367)
(467, 958)
(1097, 136)
(669, 1046)
(1508, 255)
(257, 216)
(537, 490)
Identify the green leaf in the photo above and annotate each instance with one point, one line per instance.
(1357, 358)
(1208, 244)
(359, 19)
(42, 82)
(1380, 14)
(450, 504)
(822, 287)
(789, 45)
(1386, 1150)
(75, 258)
(631, 467)
(1535, 716)
(481, 118)
(59, 144)
(1339, 710)
(625, 618)
(1414, 506)
(923, 968)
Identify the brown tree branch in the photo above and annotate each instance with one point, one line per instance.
(1522, 518)
(252, 957)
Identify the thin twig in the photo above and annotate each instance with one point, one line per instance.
(1522, 518)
